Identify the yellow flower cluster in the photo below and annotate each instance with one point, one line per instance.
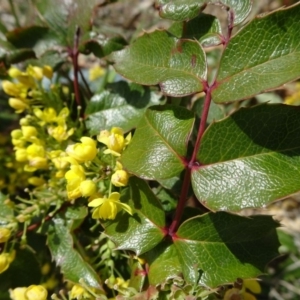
(25, 85)
(33, 292)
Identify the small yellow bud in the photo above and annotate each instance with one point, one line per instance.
(120, 178)
(48, 72)
(4, 262)
(29, 131)
(37, 163)
(17, 104)
(79, 293)
(36, 292)
(21, 155)
(4, 234)
(87, 188)
(16, 134)
(35, 72)
(36, 181)
(14, 72)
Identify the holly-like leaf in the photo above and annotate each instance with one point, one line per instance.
(146, 227)
(178, 66)
(120, 105)
(250, 158)
(72, 265)
(204, 28)
(64, 17)
(263, 55)
(217, 248)
(181, 10)
(159, 144)
(163, 263)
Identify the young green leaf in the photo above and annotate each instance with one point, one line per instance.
(217, 248)
(158, 147)
(181, 10)
(263, 55)
(250, 158)
(145, 228)
(121, 105)
(178, 66)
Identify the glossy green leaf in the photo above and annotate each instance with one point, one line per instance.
(72, 265)
(120, 105)
(158, 147)
(181, 10)
(204, 28)
(64, 17)
(146, 227)
(250, 158)
(263, 55)
(163, 263)
(217, 248)
(178, 66)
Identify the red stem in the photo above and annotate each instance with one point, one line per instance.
(187, 175)
(74, 56)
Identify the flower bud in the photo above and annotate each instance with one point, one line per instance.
(36, 292)
(21, 155)
(120, 178)
(87, 188)
(48, 72)
(36, 181)
(4, 234)
(4, 262)
(29, 131)
(18, 293)
(17, 104)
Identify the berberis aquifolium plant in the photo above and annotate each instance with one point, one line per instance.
(167, 158)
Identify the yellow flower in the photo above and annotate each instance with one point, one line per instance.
(241, 294)
(36, 292)
(29, 131)
(18, 293)
(21, 155)
(87, 188)
(114, 140)
(107, 208)
(13, 72)
(35, 72)
(18, 104)
(60, 132)
(96, 72)
(79, 293)
(4, 234)
(120, 178)
(74, 178)
(48, 115)
(84, 151)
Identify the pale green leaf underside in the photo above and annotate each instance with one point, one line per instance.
(250, 158)
(263, 55)
(217, 248)
(178, 66)
(181, 10)
(158, 147)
